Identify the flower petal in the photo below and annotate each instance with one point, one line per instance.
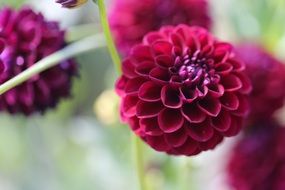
(222, 122)
(236, 125)
(161, 47)
(164, 61)
(129, 104)
(150, 126)
(170, 97)
(148, 109)
(144, 68)
(216, 90)
(189, 95)
(244, 107)
(223, 68)
(188, 148)
(192, 113)
(176, 138)
(210, 106)
(200, 132)
(159, 75)
(133, 85)
(230, 101)
(170, 120)
(158, 143)
(212, 142)
(149, 92)
(128, 69)
(231, 83)
(141, 53)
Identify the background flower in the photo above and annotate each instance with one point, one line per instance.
(28, 38)
(183, 91)
(267, 75)
(132, 19)
(258, 160)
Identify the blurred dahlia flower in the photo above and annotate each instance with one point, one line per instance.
(27, 38)
(258, 160)
(267, 75)
(183, 90)
(130, 20)
(71, 3)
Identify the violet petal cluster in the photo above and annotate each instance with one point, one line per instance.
(258, 160)
(183, 91)
(267, 75)
(130, 20)
(26, 37)
(71, 3)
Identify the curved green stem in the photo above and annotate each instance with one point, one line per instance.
(82, 46)
(106, 28)
(138, 158)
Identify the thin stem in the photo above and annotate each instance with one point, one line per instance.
(106, 28)
(138, 152)
(82, 46)
(138, 158)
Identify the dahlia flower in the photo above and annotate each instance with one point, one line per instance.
(267, 75)
(27, 38)
(130, 20)
(258, 160)
(182, 91)
(71, 3)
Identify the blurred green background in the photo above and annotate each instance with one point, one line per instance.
(82, 145)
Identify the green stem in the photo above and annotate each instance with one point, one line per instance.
(138, 158)
(82, 46)
(106, 28)
(138, 152)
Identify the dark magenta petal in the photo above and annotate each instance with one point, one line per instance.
(207, 50)
(170, 120)
(26, 94)
(231, 83)
(192, 113)
(230, 101)
(150, 126)
(243, 108)
(202, 92)
(158, 143)
(238, 66)
(134, 123)
(159, 75)
(170, 97)
(210, 106)
(129, 104)
(222, 122)
(188, 148)
(200, 132)
(151, 37)
(164, 61)
(222, 51)
(176, 138)
(176, 40)
(144, 68)
(216, 90)
(161, 47)
(128, 69)
(223, 68)
(141, 53)
(148, 109)
(2, 45)
(212, 142)
(133, 85)
(246, 84)
(189, 95)
(236, 124)
(149, 92)
(120, 85)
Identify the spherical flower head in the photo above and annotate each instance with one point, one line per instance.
(71, 3)
(267, 75)
(26, 38)
(257, 162)
(183, 91)
(130, 20)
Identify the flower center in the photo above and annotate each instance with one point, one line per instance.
(195, 68)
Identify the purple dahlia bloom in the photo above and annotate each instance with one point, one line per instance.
(27, 38)
(183, 91)
(258, 160)
(267, 75)
(130, 20)
(71, 3)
